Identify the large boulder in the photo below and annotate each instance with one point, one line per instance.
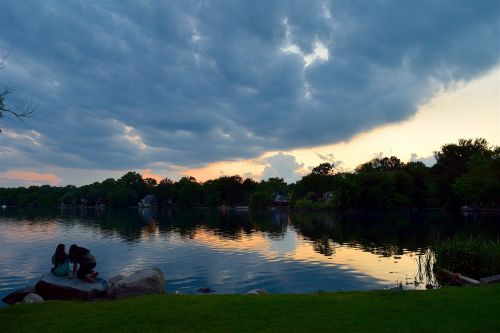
(51, 286)
(18, 295)
(258, 292)
(143, 282)
(33, 298)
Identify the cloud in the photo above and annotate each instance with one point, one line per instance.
(28, 177)
(428, 160)
(330, 158)
(147, 173)
(282, 166)
(128, 84)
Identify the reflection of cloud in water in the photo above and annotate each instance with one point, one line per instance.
(13, 232)
(248, 270)
(293, 247)
(255, 241)
(150, 230)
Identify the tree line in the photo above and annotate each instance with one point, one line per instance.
(466, 173)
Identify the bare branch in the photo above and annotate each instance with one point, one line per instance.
(6, 56)
(26, 111)
(19, 111)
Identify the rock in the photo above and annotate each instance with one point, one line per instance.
(399, 287)
(33, 298)
(64, 288)
(258, 292)
(113, 280)
(205, 290)
(18, 295)
(143, 282)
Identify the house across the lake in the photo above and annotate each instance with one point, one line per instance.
(148, 201)
(281, 199)
(327, 196)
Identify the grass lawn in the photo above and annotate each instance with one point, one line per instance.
(452, 309)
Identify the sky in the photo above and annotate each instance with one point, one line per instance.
(255, 88)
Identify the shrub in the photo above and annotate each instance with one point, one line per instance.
(474, 257)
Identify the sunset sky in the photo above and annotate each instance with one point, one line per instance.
(256, 88)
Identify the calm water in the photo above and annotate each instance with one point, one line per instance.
(235, 251)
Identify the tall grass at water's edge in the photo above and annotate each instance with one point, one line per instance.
(474, 257)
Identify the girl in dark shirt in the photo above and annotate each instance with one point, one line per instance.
(82, 256)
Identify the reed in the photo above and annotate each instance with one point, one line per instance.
(425, 273)
(475, 257)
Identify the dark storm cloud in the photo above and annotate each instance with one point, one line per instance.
(130, 84)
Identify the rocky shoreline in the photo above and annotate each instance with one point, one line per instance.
(51, 287)
(146, 281)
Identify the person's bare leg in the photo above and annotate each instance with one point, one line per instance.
(90, 278)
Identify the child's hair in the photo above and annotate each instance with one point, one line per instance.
(73, 250)
(60, 254)
(76, 252)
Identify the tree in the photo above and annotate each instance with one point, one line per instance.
(187, 192)
(452, 161)
(421, 184)
(164, 192)
(481, 185)
(260, 200)
(381, 164)
(150, 183)
(19, 111)
(319, 181)
(273, 185)
(324, 169)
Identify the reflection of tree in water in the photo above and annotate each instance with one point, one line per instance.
(324, 245)
(385, 234)
(151, 228)
(425, 274)
(385, 251)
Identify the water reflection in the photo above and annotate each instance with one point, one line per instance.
(235, 251)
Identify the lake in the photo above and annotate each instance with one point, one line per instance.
(237, 251)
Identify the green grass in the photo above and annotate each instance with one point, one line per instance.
(451, 309)
(472, 257)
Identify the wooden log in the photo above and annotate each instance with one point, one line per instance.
(459, 277)
(448, 274)
(468, 280)
(490, 279)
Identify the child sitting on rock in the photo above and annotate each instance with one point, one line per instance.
(82, 256)
(60, 262)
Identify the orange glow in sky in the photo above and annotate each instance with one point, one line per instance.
(30, 177)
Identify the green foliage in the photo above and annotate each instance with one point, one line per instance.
(133, 182)
(452, 161)
(481, 185)
(308, 204)
(474, 257)
(164, 192)
(273, 185)
(381, 164)
(260, 200)
(319, 181)
(324, 169)
(187, 192)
